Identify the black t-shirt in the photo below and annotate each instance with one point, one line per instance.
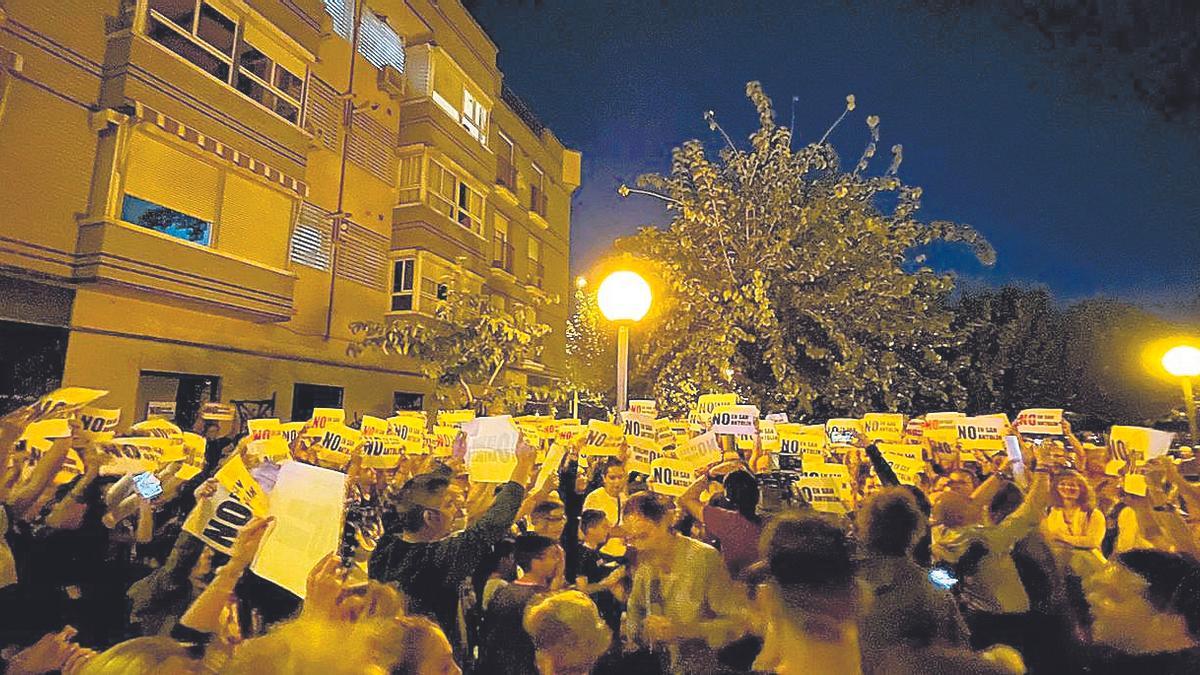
(506, 647)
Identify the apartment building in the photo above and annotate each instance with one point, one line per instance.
(198, 197)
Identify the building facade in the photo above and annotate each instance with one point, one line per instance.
(198, 197)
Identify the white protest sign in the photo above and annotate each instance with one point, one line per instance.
(554, 458)
(1137, 445)
(603, 439)
(701, 451)
(985, 434)
(735, 419)
(672, 476)
(642, 453)
(885, 427)
(491, 448)
(62, 402)
(1040, 421)
(306, 503)
(820, 492)
(841, 431)
(708, 403)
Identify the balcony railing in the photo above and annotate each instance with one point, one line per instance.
(506, 174)
(537, 201)
(502, 255)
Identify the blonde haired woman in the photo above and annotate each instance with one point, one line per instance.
(1074, 527)
(567, 632)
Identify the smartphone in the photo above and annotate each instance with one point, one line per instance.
(942, 578)
(147, 485)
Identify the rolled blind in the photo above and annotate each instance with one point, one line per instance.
(167, 176)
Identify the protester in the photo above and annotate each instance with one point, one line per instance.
(730, 516)
(505, 647)
(567, 633)
(610, 497)
(1074, 527)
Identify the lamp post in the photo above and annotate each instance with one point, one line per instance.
(624, 298)
(1184, 362)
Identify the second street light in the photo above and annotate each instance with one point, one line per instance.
(624, 298)
(1184, 362)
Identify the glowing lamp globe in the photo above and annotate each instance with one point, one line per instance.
(624, 296)
(1182, 361)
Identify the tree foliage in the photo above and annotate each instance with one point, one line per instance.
(465, 347)
(794, 280)
(590, 350)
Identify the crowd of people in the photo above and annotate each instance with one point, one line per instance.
(1046, 558)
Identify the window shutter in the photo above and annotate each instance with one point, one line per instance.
(379, 44)
(323, 115)
(372, 147)
(312, 244)
(362, 256)
(160, 173)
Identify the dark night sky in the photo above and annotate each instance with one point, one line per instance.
(1081, 192)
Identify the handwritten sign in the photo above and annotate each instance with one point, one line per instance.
(885, 427)
(735, 419)
(672, 476)
(1040, 421)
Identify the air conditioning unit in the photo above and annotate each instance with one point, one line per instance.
(392, 82)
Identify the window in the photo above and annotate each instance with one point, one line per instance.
(377, 42)
(474, 117)
(537, 191)
(506, 168)
(408, 184)
(535, 261)
(176, 396)
(270, 84)
(501, 248)
(305, 397)
(312, 238)
(152, 216)
(404, 400)
(209, 39)
(453, 198)
(403, 276)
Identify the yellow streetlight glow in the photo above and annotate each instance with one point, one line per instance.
(580, 281)
(624, 296)
(1182, 361)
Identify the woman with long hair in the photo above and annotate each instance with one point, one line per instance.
(1074, 527)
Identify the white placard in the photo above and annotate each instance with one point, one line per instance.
(307, 506)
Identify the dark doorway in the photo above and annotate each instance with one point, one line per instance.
(176, 396)
(31, 362)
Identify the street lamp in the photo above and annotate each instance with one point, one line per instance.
(1184, 362)
(624, 297)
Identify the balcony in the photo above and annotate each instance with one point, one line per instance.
(537, 205)
(502, 257)
(132, 259)
(506, 178)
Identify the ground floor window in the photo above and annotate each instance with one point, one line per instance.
(176, 397)
(403, 400)
(31, 362)
(305, 397)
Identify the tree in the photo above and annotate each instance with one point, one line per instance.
(590, 350)
(465, 348)
(795, 282)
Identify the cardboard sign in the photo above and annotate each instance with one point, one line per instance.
(410, 432)
(672, 476)
(983, 434)
(491, 449)
(1040, 421)
(700, 452)
(322, 418)
(603, 439)
(95, 422)
(820, 492)
(236, 479)
(337, 443)
(373, 426)
(644, 407)
(454, 418)
(385, 451)
(1137, 445)
(884, 427)
(708, 403)
(164, 410)
(841, 430)
(137, 454)
(218, 412)
(63, 402)
(735, 419)
(262, 429)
